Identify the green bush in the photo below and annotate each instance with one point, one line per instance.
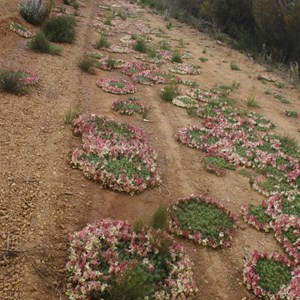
(102, 42)
(169, 92)
(140, 46)
(176, 57)
(160, 218)
(10, 83)
(34, 11)
(60, 29)
(86, 64)
(40, 44)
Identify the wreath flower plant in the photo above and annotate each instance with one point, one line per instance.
(215, 228)
(103, 254)
(21, 30)
(119, 87)
(264, 285)
(114, 154)
(128, 107)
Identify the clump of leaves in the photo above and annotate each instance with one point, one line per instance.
(160, 218)
(140, 46)
(169, 92)
(10, 82)
(40, 44)
(86, 64)
(108, 21)
(176, 57)
(102, 42)
(280, 85)
(218, 162)
(260, 214)
(169, 25)
(60, 29)
(273, 274)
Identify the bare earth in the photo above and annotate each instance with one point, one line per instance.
(42, 198)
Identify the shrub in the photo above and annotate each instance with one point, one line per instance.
(40, 44)
(140, 46)
(102, 42)
(160, 218)
(10, 82)
(34, 11)
(86, 64)
(203, 59)
(176, 57)
(169, 92)
(251, 101)
(60, 29)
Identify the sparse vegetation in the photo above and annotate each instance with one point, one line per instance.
(176, 57)
(40, 44)
(102, 42)
(72, 114)
(60, 29)
(169, 92)
(160, 218)
(10, 83)
(251, 100)
(140, 45)
(86, 64)
(203, 59)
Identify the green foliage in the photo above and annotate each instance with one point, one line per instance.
(86, 64)
(40, 44)
(160, 218)
(272, 274)
(10, 83)
(108, 21)
(102, 42)
(260, 213)
(219, 162)
(292, 113)
(292, 207)
(251, 100)
(203, 217)
(111, 63)
(169, 92)
(140, 46)
(71, 115)
(203, 59)
(34, 11)
(169, 25)
(176, 57)
(280, 85)
(60, 29)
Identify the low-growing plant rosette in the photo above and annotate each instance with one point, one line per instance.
(119, 87)
(203, 220)
(257, 216)
(185, 69)
(128, 107)
(103, 253)
(185, 102)
(200, 95)
(287, 233)
(132, 68)
(271, 276)
(21, 30)
(116, 155)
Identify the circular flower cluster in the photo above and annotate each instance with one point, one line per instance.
(204, 235)
(114, 154)
(128, 107)
(26, 77)
(103, 253)
(120, 87)
(185, 102)
(252, 278)
(185, 69)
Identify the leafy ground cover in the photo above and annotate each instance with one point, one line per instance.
(114, 154)
(203, 220)
(109, 260)
(119, 87)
